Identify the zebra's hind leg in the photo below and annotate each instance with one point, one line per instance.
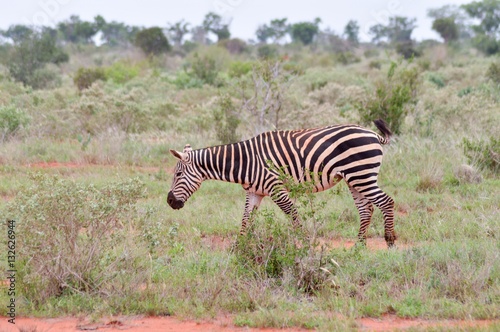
(286, 205)
(386, 204)
(365, 209)
(252, 202)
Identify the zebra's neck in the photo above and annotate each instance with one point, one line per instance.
(225, 162)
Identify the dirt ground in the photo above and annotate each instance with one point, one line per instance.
(157, 324)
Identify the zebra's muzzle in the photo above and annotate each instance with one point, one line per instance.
(174, 202)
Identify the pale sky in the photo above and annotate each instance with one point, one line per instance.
(245, 15)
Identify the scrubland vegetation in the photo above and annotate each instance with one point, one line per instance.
(96, 237)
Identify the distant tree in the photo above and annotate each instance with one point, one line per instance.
(447, 28)
(305, 32)
(29, 57)
(152, 41)
(277, 30)
(17, 33)
(177, 31)
(488, 14)
(199, 35)
(487, 32)
(115, 33)
(457, 14)
(214, 23)
(77, 31)
(351, 32)
(398, 32)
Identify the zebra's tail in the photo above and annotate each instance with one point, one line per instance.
(384, 129)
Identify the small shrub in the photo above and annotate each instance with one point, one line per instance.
(407, 50)
(226, 120)
(71, 234)
(467, 174)
(437, 79)
(375, 64)
(85, 77)
(391, 97)
(484, 154)
(11, 120)
(234, 45)
(267, 51)
(464, 91)
(346, 58)
(239, 68)
(493, 72)
(152, 41)
(203, 68)
(370, 53)
(273, 249)
(122, 71)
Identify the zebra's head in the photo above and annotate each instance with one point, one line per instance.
(187, 178)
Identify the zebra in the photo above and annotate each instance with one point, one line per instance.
(321, 156)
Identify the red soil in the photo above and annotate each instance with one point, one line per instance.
(153, 324)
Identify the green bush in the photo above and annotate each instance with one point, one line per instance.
(85, 77)
(28, 59)
(122, 71)
(152, 41)
(203, 68)
(73, 235)
(273, 249)
(239, 68)
(346, 57)
(11, 120)
(437, 79)
(267, 51)
(226, 120)
(493, 72)
(486, 155)
(392, 97)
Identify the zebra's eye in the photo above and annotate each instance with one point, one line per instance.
(178, 174)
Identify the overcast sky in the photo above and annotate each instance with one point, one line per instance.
(246, 15)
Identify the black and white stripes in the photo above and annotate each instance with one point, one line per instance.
(321, 155)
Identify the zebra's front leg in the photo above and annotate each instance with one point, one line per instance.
(252, 203)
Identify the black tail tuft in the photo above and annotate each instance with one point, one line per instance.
(384, 129)
(382, 126)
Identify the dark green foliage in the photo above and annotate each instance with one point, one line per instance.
(214, 23)
(177, 31)
(17, 33)
(29, 57)
(346, 57)
(447, 28)
(493, 72)
(84, 77)
(71, 233)
(486, 44)
(392, 97)
(226, 120)
(267, 51)
(239, 68)
(486, 155)
(203, 68)
(276, 30)
(437, 80)
(304, 32)
(11, 120)
(351, 31)
(77, 31)
(152, 41)
(398, 30)
(487, 12)
(115, 33)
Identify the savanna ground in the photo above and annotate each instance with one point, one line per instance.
(86, 176)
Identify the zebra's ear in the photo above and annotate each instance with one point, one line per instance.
(187, 148)
(178, 155)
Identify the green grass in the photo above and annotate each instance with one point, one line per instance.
(446, 267)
